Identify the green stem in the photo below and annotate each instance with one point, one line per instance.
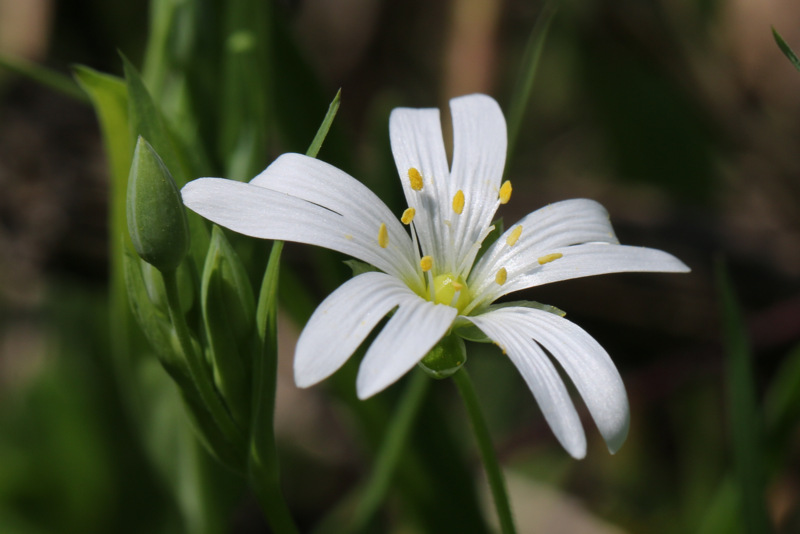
(264, 469)
(391, 451)
(493, 472)
(197, 367)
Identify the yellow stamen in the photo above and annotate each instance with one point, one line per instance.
(426, 263)
(505, 192)
(416, 179)
(408, 216)
(457, 286)
(458, 202)
(349, 237)
(501, 276)
(512, 238)
(549, 257)
(383, 236)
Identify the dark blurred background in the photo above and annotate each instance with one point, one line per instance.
(681, 117)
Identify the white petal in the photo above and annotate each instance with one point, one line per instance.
(321, 183)
(413, 330)
(479, 156)
(342, 322)
(578, 261)
(584, 361)
(267, 214)
(416, 139)
(569, 222)
(542, 378)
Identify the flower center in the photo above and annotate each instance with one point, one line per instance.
(451, 290)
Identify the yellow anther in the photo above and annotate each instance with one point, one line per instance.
(408, 216)
(458, 202)
(416, 179)
(383, 236)
(457, 285)
(505, 192)
(549, 257)
(513, 237)
(349, 237)
(426, 263)
(501, 276)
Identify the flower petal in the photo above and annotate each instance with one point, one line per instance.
(542, 378)
(342, 322)
(569, 222)
(577, 261)
(267, 214)
(583, 359)
(416, 139)
(413, 330)
(479, 156)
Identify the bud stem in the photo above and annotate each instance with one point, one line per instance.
(197, 368)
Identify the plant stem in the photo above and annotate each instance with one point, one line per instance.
(197, 367)
(391, 450)
(263, 467)
(493, 472)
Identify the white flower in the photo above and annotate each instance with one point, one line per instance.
(429, 276)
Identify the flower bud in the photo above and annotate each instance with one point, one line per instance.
(156, 220)
(445, 358)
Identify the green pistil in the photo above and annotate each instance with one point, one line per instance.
(445, 288)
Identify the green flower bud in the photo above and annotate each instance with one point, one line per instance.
(445, 358)
(156, 220)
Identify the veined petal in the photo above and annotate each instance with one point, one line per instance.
(542, 378)
(413, 330)
(479, 156)
(267, 214)
(577, 261)
(569, 222)
(416, 139)
(583, 359)
(342, 322)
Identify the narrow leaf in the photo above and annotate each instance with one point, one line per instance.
(529, 67)
(787, 51)
(745, 422)
(44, 76)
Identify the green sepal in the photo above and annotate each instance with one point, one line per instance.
(447, 357)
(360, 267)
(156, 218)
(229, 314)
(470, 332)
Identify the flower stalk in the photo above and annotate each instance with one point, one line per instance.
(493, 472)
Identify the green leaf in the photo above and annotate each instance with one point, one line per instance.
(154, 323)
(147, 121)
(47, 77)
(745, 421)
(360, 267)
(246, 85)
(782, 406)
(527, 75)
(229, 318)
(325, 127)
(787, 51)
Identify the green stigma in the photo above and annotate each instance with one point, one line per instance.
(445, 287)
